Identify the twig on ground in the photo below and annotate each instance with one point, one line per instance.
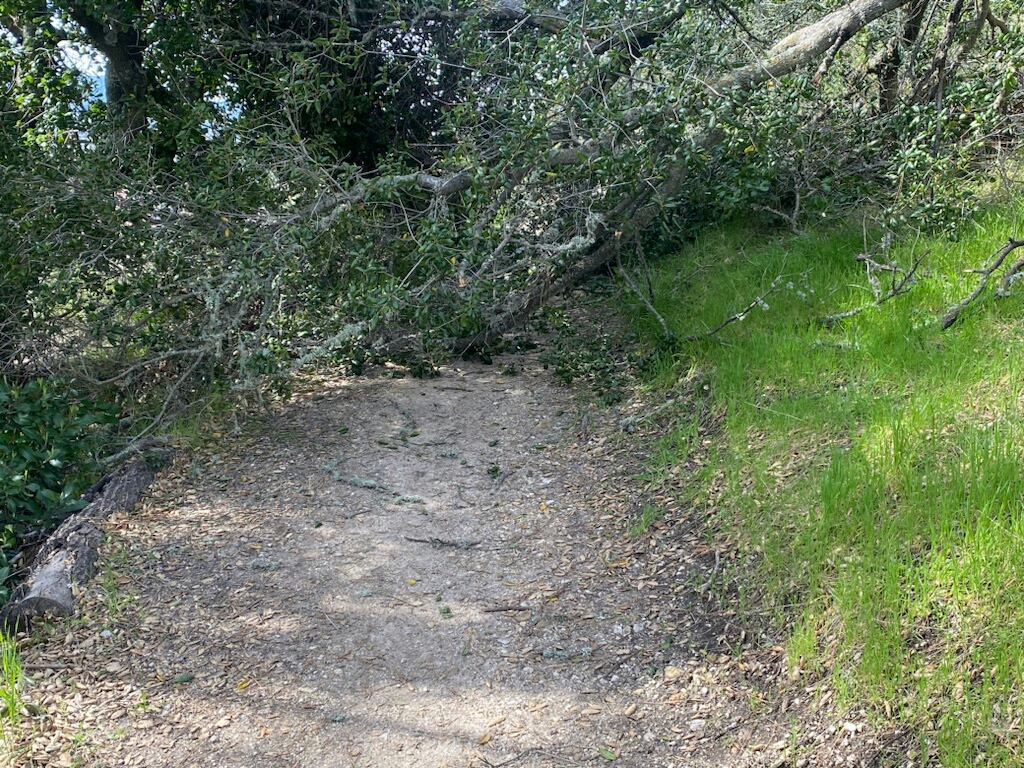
(630, 423)
(714, 572)
(504, 609)
(758, 302)
(440, 543)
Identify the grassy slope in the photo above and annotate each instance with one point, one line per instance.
(876, 468)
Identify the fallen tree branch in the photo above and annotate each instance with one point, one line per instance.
(633, 214)
(953, 313)
(583, 253)
(807, 43)
(69, 555)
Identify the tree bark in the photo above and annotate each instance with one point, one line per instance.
(807, 44)
(69, 556)
(125, 81)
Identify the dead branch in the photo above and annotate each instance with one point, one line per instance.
(791, 218)
(741, 315)
(1011, 276)
(953, 313)
(628, 280)
(505, 609)
(437, 543)
(900, 283)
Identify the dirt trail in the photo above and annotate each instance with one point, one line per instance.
(398, 572)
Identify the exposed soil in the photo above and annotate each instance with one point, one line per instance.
(407, 572)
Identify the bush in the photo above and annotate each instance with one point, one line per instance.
(49, 441)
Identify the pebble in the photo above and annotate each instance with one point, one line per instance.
(673, 673)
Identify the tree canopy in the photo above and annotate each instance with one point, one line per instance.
(264, 184)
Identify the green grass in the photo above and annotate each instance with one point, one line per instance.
(10, 686)
(875, 468)
(649, 515)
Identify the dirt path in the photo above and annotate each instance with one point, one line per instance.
(401, 572)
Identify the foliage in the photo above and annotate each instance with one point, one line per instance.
(11, 676)
(270, 187)
(870, 469)
(49, 439)
(597, 363)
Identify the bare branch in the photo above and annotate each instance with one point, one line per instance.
(900, 282)
(737, 316)
(631, 284)
(953, 313)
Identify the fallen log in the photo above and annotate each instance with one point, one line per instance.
(69, 555)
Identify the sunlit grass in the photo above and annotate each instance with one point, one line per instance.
(10, 688)
(874, 467)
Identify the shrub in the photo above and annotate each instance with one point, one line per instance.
(49, 441)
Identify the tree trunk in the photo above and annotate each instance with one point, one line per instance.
(125, 81)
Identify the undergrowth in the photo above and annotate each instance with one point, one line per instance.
(872, 468)
(50, 440)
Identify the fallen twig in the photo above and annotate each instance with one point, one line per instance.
(504, 609)
(758, 302)
(714, 572)
(439, 543)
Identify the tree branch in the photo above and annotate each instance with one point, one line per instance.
(953, 313)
